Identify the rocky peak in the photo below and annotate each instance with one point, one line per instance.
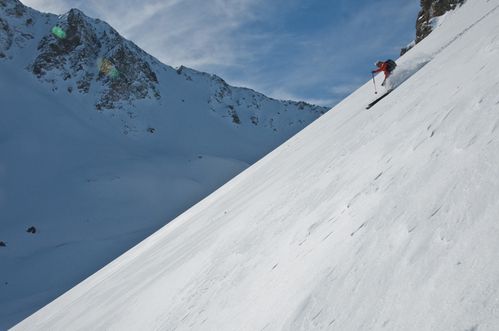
(12, 7)
(92, 55)
(430, 9)
(13, 22)
(75, 43)
(10, 3)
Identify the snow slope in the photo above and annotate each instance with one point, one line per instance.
(97, 163)
(384, 219)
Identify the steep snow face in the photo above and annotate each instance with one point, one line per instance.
(384, 219)
(101, 145)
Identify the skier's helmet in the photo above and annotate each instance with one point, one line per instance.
(378, 63)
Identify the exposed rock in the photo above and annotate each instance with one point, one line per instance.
(6, 36)
(234, 115)
(79, 51)
(70, 55)
(14, 7)
(430, 9)
(10, 3)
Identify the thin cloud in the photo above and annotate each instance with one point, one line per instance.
(195, 33)
(344, 88)
(261, 44)
(51, 6)
(284, 94)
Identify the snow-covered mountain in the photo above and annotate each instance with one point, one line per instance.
(101, 145)
(384, 219)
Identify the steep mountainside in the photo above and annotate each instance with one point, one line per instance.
(430, 11)
(384, 219)
(101, 144)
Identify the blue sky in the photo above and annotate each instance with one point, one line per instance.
(313, 50)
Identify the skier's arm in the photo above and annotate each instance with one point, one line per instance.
(383, 67)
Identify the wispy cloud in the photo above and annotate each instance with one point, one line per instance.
(330, 62)
(344, 88)
(312, 50)
(284, 94)
(51, 6)
(197, 33)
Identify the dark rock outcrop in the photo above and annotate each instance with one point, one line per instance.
(104, 59)
(6, 36)
(429, 10)
(14, 7)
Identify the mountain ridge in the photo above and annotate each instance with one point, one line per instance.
(89, 43)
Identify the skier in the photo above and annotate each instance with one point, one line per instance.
(387, 67)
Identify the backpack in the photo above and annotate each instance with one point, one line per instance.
(391, 65)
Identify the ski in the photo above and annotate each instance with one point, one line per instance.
(378, 99)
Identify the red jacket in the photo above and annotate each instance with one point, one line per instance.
(384, 68)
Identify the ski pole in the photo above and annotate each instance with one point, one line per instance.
(374, 82)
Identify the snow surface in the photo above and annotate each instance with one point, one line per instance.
(386, 219)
